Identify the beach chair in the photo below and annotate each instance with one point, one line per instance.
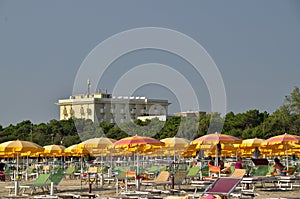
(152, 171)
(222, 187)
(70, 172)
(40, 182)
(161, 179)
(55, 178)
(120, 182)
(193, 173)
(179, 178)
(130, 180)
(214, 170)
(31, 173)
(238, 173)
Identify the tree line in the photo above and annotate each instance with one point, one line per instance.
(250, 124)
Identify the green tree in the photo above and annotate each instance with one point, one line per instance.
(293, 101)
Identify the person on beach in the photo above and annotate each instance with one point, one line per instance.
(238, 164)
(256, 154)
(279, 168)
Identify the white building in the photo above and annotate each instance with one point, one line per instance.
(103, 107)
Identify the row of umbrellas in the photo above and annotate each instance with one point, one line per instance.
(211, 142)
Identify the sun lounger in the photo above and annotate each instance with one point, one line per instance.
(70, 172)
(222, 186)
(193, 173)
(40, 182)
(161, 179)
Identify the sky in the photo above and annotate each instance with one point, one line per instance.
(254, 44)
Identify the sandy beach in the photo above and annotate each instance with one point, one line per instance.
(109, 190)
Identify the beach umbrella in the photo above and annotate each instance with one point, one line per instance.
(247, 146)
(251, 143)
(175, 144)
(98, 145)
(284, 139)
(17, 147)
(54, 150)
(76, 150)
(215, 139)
(137, 144)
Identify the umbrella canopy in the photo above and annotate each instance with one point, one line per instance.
(283, 139)
(176, 143)
(213, 140)
(137, 143)
(98, 145)
(216, 138)
(76, 150)
(251, 143)
(54, 149)
(19, 146)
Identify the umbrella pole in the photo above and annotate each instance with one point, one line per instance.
(216, 162)
(102, 177)
(27, 165)
(137, 171)
(17, 176)
(287, 157)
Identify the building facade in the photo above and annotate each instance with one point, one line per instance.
(104, 107)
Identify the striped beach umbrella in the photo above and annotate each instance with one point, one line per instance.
(213, 140)
(284, 139)
(138, 144)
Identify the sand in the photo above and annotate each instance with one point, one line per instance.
(109, 190)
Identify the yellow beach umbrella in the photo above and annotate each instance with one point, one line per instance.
(17, 147)
(54, 150)
(175, 144)
(76, 150)
(98, 145)
(251, 143)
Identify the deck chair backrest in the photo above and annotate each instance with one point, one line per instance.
(130, 174)
(162, 176)
(260, 161)
(70, 170)
(223, 186)
(153, 169)
(214, 169)
(179, 177)
(238, 173)
(193, 172)
(57, 177)
(42, 179)
(121, 175)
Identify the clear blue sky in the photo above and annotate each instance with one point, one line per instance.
(255, 45)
